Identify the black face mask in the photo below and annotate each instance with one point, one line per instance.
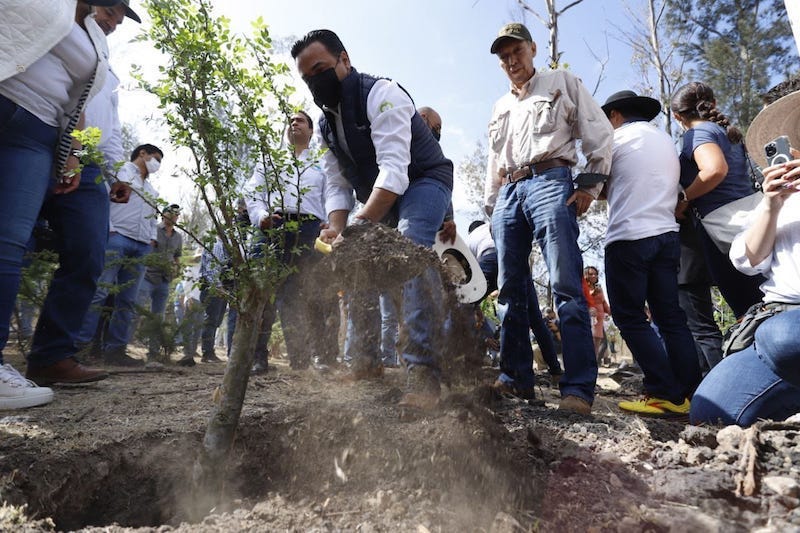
(325, 88)
(437, 135)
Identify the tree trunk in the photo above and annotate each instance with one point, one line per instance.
(552, 16)
(659, 64)
(209, 469)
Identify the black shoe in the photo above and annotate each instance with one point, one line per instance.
(259, 367)
(120, 358)
(210, 358)
(186, 360)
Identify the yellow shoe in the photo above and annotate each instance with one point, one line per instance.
(656, 407)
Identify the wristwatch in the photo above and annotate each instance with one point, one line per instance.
(682, 196)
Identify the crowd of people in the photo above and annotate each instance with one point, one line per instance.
(667, 209)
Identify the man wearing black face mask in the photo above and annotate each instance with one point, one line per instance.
(381, 149)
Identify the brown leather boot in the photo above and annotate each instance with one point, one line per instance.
(67, 370)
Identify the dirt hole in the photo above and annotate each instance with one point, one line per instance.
(319, 460)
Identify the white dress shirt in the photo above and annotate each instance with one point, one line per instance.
(643, 187)
(102, 112)
(303, 193)
(389, 110)
(480, 240)
(782, 267)
(137, 218)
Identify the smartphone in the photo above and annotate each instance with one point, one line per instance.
(778, 151)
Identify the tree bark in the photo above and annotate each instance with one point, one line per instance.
(209, 469)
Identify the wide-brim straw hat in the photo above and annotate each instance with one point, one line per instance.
(781, 117)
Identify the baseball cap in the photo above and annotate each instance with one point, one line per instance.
(172, 208)
(130, 13)
(515, 30)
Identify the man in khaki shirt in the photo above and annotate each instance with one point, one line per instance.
(530, 193)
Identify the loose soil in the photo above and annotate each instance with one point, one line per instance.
(316, 454)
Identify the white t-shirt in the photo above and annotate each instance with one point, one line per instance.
(643, 188)
(782, 268)
(55, 81)
(480, 240)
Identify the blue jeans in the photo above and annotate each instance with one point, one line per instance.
(489, 267)
(154, 296)
(762, 381)
(645, 271)
(488, 263)
(124, 271)
(80, 222)
(542, 333)
(213, 313)
(421, 212)
(389, 329)
(300, 307)
(536, 207)
(27, 146)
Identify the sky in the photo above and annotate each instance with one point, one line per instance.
(437, 49)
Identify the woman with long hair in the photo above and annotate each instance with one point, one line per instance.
(714, 173)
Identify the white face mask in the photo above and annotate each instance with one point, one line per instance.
(152, 165)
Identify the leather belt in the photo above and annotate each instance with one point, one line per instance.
(531, 169)
(296, 217)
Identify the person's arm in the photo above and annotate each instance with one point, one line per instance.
(389, 110)
(597, 137)
(113, 150)
(337, 220)
(255, 198)
(176, 257)
(71, 177)
(712, 169)
(338, 191)
(779, 183)
(606, 308)
(494, 179)
(339, 199)
(153, 218)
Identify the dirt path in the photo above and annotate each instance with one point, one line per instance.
(316, 454)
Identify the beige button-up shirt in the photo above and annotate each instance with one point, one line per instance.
(542, 122)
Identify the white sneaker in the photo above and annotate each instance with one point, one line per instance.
(16, 392)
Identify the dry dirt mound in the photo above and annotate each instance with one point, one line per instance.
(316, 454)
(313, 453)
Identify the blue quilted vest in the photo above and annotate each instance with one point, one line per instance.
(427, 159)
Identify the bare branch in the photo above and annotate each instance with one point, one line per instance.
(524, 5)
(573, 4)
(603, 62)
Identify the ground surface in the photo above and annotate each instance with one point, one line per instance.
(316, 454)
